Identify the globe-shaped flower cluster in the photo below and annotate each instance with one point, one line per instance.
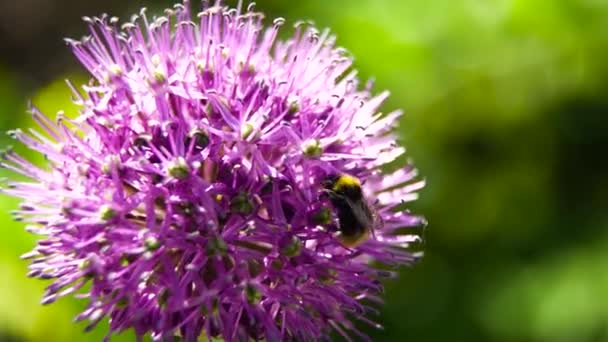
(186, 198)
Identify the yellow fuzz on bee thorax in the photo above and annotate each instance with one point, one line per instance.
(346, 181)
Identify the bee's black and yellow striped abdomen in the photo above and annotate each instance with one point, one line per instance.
(355, 217)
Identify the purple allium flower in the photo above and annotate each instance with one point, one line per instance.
(186, 199)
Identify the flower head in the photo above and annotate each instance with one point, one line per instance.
(189, 192)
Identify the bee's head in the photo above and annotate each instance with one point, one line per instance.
(344, 185)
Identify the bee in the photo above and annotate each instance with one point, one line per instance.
(356, 217)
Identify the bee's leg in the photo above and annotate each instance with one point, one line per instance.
(332, 194)
(327, 191)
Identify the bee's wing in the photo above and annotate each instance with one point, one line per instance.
(363, 213)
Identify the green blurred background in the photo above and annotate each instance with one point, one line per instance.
(507, 119)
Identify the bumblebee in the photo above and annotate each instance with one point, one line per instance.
(356, 217)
